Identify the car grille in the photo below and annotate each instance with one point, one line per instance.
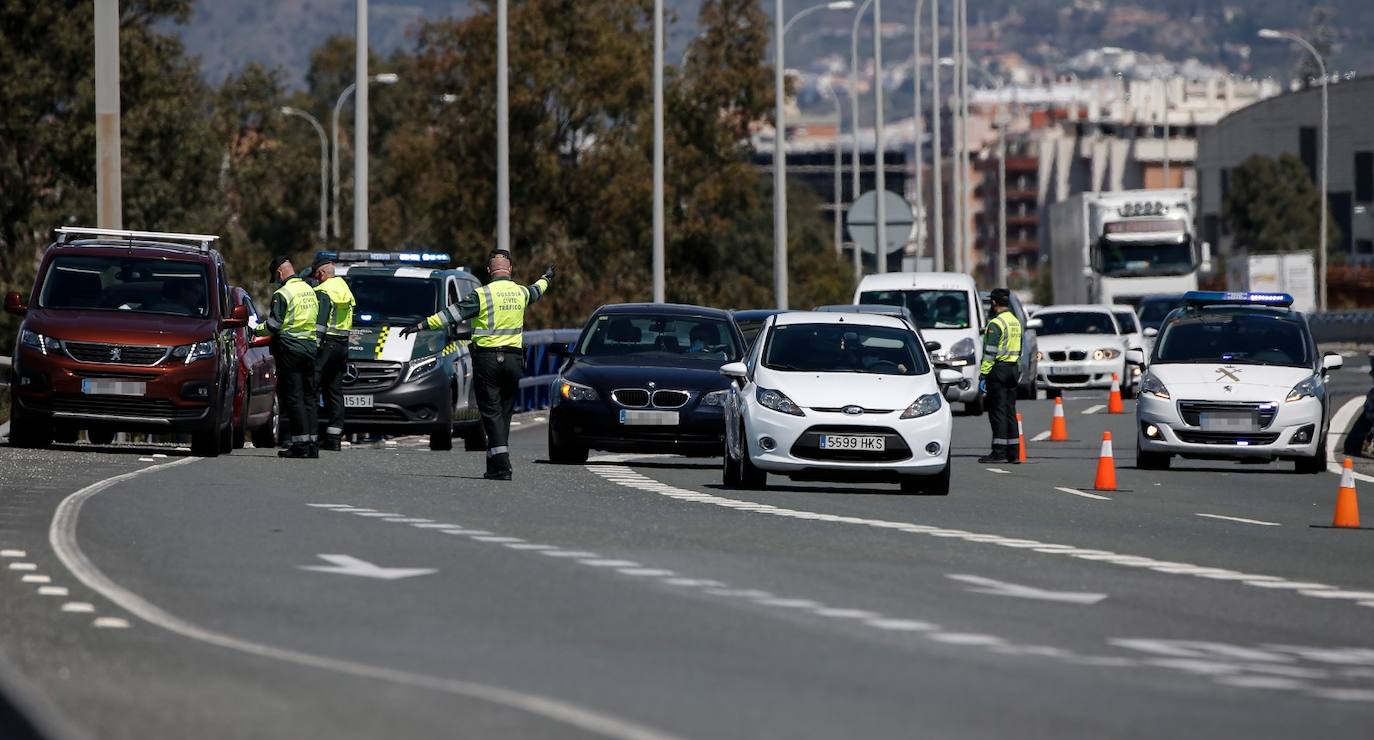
(115, 354)
(366, 376)
(840, 410)
(376, 413)
(1226, 438)
(671, 399)
(1062, 356)
(155, 408)
(1191, 411)
(635, 398)
(1055, 378)
(808, 445)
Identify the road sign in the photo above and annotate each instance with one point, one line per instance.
(862, 221)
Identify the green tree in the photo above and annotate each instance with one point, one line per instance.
(1272, 206)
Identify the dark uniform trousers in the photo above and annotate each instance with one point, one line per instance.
(329, 372)
(1001, 406)
(296, 392)
(497, 374)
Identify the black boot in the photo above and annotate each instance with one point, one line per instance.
(297, 450)
(312, 449)
(498, 467)
(996, 457)
(331, 443)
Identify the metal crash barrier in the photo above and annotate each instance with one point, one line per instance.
(1356, 327)
(541, 366)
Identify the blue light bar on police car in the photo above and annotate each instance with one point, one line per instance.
(1220, 297)
(405, 258)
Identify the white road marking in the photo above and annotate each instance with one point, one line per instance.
(1340, 427)
(158, 455)
(899, 625)
(78, 607)
(468, 532)
(379, 514)
(1094, 409)
(110, 623)
(609, 563)
(497, 538)
(528, 546)
(23, 566)
(645, 572)
(1002, 588)
(1240, 519)
(1084, 494)
(1336, 594)
(998, 470)
(13, 554)
(34, 578)
(146, 459)
(569, 554)
(347, 565)
(1041, 437)
(52, 591)
(437, 525)
(408, 520)
(963, 638)
(62, 536)
(330, 506)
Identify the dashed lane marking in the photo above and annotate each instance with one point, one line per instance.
(52, 591)
(23, 566)
(35, 578)
(1094, 409)
(78, 607)
(13, 554)
(110, 623)
(1084, 494)
(1242, 520)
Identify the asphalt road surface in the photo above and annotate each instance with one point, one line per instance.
(390, 592)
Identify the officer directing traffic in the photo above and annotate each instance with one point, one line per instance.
(998, 377)
(336, 312)
(497, 313)
(292, 324)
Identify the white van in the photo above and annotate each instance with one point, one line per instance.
(947, 310)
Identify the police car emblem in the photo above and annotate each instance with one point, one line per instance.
(350, 373)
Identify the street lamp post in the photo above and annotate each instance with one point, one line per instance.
(287, 110)
(937, 197)
(855, 172)
(386, 78)
(916, 127)
(1269, 33)
(502, 125)
(879, 140)
(839, 177)
(658, 266)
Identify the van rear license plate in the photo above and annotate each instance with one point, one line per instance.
(863, 443)
(649, 418)
(93, 387)
(357, 402)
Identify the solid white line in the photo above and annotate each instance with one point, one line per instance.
(1340, 427)
(1041, 437)
(1094, 409)
(1240, 519)
(62, 536)
(1084, 494)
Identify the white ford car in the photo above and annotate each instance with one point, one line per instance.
(1232, 376)
(838, 397)
(1081, 347)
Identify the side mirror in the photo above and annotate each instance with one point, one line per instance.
(736, 370)
(933, 346)
(1206, 261)
(237, 318)
(14, 304)
(1135, 356)
(1151, 332)
(949, 377)
(1332, 361)
(1035, 324)
(262, 341)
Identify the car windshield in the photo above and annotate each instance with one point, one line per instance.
(158, 286)
(1249, 338)
(930, 309)
(1153, 310)
(387, 300)
(844, 348)
(667, 337)
(1123, 259)
(1126, 320)
(1075, 322)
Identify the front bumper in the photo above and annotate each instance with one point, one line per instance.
(596, 424)
(420, 404)
(1068, 375)
(1173, 435)
(795, 452)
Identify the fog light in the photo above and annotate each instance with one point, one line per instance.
(768, 444)
(196, 390)
(426, 412)
(1304, 435)
(933, 448)
(1152, 431)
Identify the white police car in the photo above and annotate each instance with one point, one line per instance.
(1233, 376)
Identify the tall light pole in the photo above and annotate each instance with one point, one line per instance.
(659, 277)
(360, 131)
(957, 130)
(879, 141)
(839, 177)
(386, 78)
(965, 256)
(855, 171)
(108, 186)
(287, 110)
(937, 198)
(502, 125)
(916, 126)
(1269, 33)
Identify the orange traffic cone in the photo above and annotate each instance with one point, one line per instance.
(1114, 400)
(1059, 429)
(1106, 466)
(1021, 436)
(1347, 506)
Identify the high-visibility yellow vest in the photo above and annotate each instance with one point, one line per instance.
(500, 319)
(1008, 347)
(302, 308)
(340, 319)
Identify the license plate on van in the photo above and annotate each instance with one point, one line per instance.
(95, 387)
(860, 442)
(357, 402)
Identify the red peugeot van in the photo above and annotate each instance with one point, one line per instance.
(126, 331)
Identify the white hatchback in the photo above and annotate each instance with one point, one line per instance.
(838, 397)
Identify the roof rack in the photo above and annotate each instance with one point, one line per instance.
(71, 233)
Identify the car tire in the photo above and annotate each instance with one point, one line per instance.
(265, 436)
(928, 485)
(29, 434)
(565, 453)
(100, 437)
(205, 443)
(1145, 460)
(226, 439)
(730, 472)
(750, 477)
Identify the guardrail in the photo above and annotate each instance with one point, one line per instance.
(541, 366)
(1355, 327)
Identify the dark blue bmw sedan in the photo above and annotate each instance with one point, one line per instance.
(644, 378)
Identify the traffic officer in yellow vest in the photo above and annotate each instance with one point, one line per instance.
(336, 319)
(998, 377)
(497, 312)
(291, 323)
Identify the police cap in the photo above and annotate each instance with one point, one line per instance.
(1001, 296)
(322, 259)
(499, 253)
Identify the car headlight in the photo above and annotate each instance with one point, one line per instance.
(924, 406)
(34, 340)
(778, 401)
(715, 398)
(571, 391)
(197, 351)
(421, 368)
(961, 353)
(1152, 385)
(1306, 389)
(1106, 353)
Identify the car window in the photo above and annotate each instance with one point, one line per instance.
(1126, 320)
(119, 283)
(1076, 322)
(844, 348)
(930, 309)
(688, 337)
(1245, 338)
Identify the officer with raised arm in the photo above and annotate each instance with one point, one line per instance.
(998, 377)
(497, 315)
